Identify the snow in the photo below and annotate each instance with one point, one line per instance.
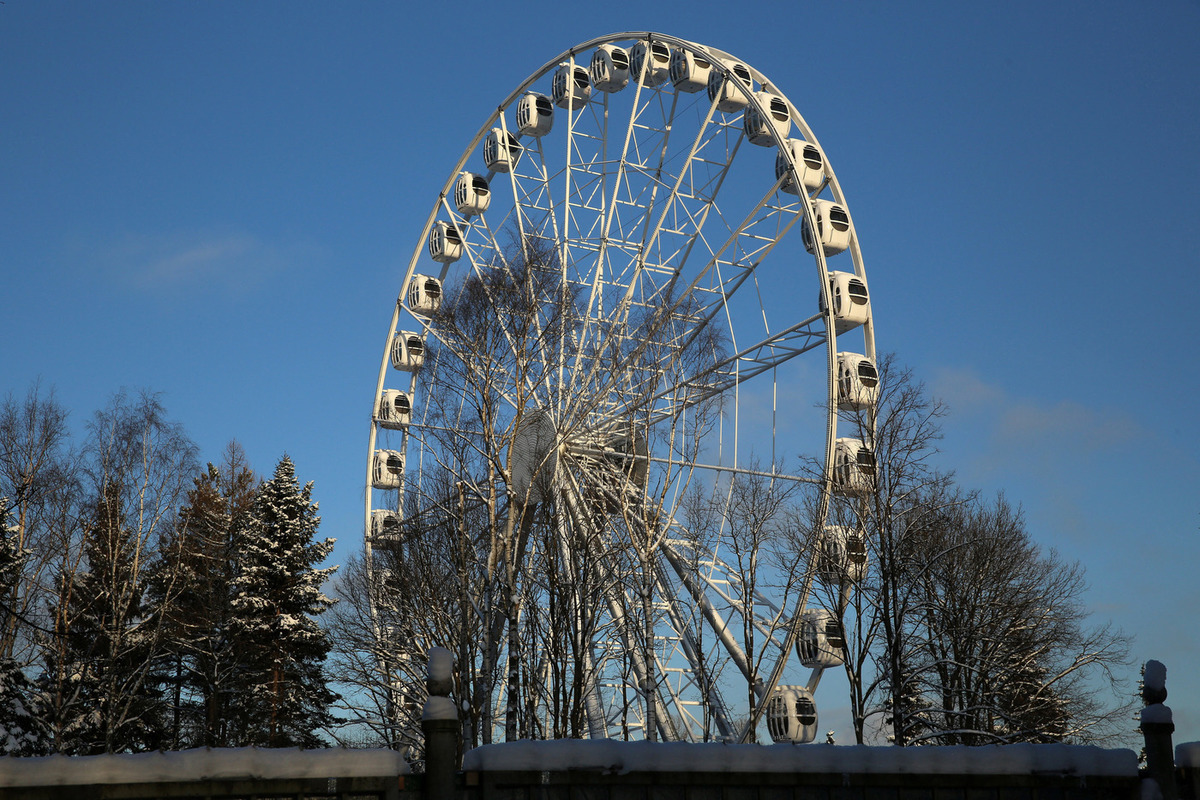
(1154, 676)
(1187, 754)
(243, 763)
(1156, 714)
(622, 757)
(439, 708)
(441, 665)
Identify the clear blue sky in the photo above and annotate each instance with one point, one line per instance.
(216, 201)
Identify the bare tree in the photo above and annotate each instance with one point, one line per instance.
(1007, 653)
(36, 475)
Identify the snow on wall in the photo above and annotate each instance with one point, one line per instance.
(1187, 754)
(623, 757)
(241, 763)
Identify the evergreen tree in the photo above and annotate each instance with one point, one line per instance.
(191, 590)
(282, 695)
(102, 653)
(22, 731)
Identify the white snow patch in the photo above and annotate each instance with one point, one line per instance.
(441, 664)
(622, 757)
(204, 764)
(1156, 713)
(1154, 676)
(439, 708)
(1187, 754)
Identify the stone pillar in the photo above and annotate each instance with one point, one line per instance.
(1157, 727)
(439, 723)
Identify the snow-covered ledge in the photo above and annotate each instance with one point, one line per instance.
(206, 764)
(616, 757)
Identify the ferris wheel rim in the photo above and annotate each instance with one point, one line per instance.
(569, 56)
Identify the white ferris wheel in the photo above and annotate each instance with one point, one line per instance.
(638, 297)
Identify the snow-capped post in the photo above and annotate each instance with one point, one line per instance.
(439, 723)
(1157, 727)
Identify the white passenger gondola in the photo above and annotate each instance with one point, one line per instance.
(728, 94)
(501, 151)
(851, 302)
(809, 164)
(387, 469)
(843, 554)
(394, 410)
(833, 228)
(689, 72)
(385, 528)
(570, 87)
(471, 194)
(822, 640)
(424, 295)
(408, 351)
(853, 468)
(609, 69)
(650, 63)
(857, 381)
(761, 130)
(792, 715)
(445, 243)
(535, 114)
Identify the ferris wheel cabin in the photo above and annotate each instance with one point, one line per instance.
(571, 87)
(729, 96)
(792, 715)
(843, 554)
(471, 194)
(833, 228)
(821, 641)
(853, 468)
(857, 381)
(778, 119)
(445, 243)
(501, 151)
(387, 469)
(408, 351)
(535, 114)
(385, 528)
(424, 295)
(395, 409)
(650, 63)
(851, 302)
(689, 72)
(609, 69)
(809, 165)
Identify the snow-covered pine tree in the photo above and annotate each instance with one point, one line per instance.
(281, 694)
(101, 654)
(191, 593)
(22, 730)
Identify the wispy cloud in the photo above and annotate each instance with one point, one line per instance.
(228, 262)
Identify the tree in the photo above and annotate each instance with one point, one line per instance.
(1007, 654)
(191, 592)
(959, 629)
(22, 725)
(281, 692)
(36, 476)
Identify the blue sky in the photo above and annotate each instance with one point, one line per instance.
(217, 202)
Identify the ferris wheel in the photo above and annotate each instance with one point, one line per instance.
(638, 298)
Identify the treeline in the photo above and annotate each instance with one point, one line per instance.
(148, 603)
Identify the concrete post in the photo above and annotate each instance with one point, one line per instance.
(1157, 727)
(439, 723)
